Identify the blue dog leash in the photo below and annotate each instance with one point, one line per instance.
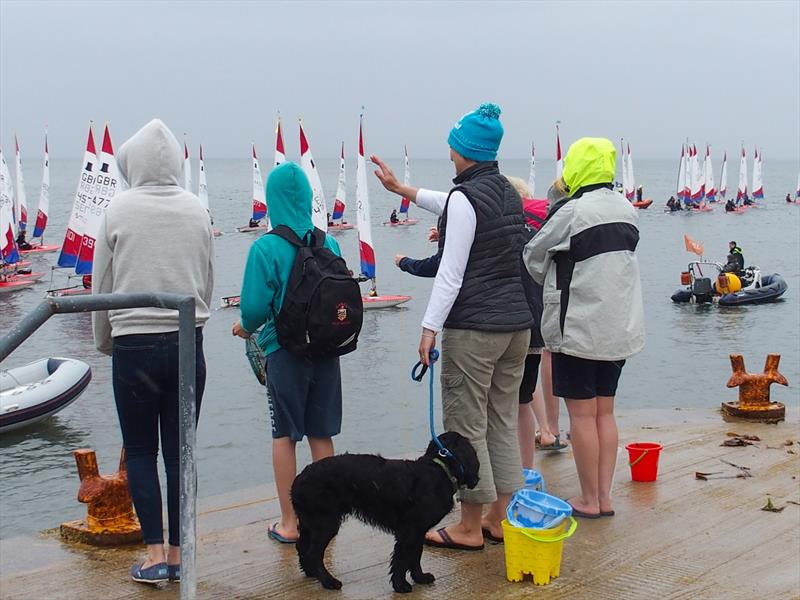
(417, 373)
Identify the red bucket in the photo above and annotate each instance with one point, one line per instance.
(643, 460)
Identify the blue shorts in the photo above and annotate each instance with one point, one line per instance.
(305, 396)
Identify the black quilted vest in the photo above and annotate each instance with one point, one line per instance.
(492, 297)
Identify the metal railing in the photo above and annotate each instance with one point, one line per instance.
(185, 305)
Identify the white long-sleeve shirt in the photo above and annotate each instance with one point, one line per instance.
(461, 224)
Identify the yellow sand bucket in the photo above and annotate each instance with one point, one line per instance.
(535, 551)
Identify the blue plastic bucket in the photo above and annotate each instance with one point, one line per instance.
(532, 509)
(533, 480)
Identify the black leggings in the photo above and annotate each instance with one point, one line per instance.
(145, 376)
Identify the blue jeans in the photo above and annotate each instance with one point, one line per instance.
(145, 377)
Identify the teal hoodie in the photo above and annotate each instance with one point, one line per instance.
(270, 260)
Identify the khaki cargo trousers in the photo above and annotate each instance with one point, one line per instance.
(481, 375)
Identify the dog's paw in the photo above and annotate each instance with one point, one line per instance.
(426, 578)
(401, 586)
(331, 583)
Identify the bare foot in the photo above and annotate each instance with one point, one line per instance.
(458, 534)
(606, 506)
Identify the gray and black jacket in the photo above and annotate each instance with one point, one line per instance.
(584, 257)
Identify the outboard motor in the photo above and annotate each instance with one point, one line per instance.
(703, 289)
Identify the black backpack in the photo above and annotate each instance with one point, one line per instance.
(322, 310)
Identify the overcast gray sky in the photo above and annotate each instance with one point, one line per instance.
(653, 72)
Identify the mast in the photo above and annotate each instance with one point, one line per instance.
(259, 193)
(341, 190)
(187, 167)
(22, 206)
(44, 195)
(405, 202)
(365, 247)
(531, 173)
(559, 161)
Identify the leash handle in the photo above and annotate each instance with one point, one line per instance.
(419, 369)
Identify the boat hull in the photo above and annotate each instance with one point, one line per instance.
(14, 284)
(72, 291)
(40, 389)
(642, 203)
(341, 227)
(247, 229)
(229, 302)
(401, 223)
(772, 287)
(41, 249)
(374, 302)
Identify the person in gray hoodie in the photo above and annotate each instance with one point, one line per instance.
(138, 250)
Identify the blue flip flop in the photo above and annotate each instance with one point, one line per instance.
(273, 534)
(157, 573)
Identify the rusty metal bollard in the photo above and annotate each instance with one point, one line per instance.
(754, 402)
(110, 519)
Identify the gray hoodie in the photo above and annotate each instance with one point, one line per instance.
(155, 237)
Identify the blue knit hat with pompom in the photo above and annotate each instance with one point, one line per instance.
(477, 135)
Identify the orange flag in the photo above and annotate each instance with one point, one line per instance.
(692, 246)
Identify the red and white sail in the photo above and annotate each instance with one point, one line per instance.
(696, 191)
(22, 204)
(5, 174)
(708, 168)
(107, 183)
(687, 182)
(187, 167)
(44, 195)
(280, 153)
(630, 191)
(259, 193)
(531, 173)
(84, 197)
(758, 184)
(9, 253)
(202, 185)
(723, 178)
(341, 191)
(363, 222)
(319, 210)
(741, 190)
(559, 160)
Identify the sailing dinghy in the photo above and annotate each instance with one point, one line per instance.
(259, 211)
(202, 192)
(337, 222)
(9, 254)
(319, 210)
(404, 202)
(366, 249)
(43, 210)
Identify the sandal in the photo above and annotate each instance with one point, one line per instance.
(448, 543)
(556, 446)
(274, 535)
(487, 534)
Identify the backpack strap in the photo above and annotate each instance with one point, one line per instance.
(317, 238)
(282, 231)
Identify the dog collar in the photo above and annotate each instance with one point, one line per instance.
(447, 472)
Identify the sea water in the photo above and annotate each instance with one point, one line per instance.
(684, 364)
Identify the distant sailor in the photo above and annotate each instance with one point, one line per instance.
(735, 262)
(639, 193)
(730, 205)
(254, 223)
(788, 198)
(393, 217)
(22, 243)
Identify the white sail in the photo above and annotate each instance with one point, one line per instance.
(758, 184)
(8, 247)
(319, 209)
(202, 185)
(44, 195)
(84, 197)
(106, 186)
(623, 166)
(531, 173)
(187, 167)
(741, 191)
(681, 174)
(711, 190)
(723, 178)
(22, 204)
(363, 222)
(630, 193)
(5, 175)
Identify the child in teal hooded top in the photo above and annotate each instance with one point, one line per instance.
(270, 260)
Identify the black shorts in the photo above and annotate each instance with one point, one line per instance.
(529, 378)
(583, 378)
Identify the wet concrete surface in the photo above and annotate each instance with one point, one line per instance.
(676, 538)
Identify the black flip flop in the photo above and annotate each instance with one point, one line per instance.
(487, 534)
(584, 515)
(606, 513)
(448, 543)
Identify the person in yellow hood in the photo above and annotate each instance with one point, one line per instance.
(593, 318)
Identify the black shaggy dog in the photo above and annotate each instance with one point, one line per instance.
(403, 497)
